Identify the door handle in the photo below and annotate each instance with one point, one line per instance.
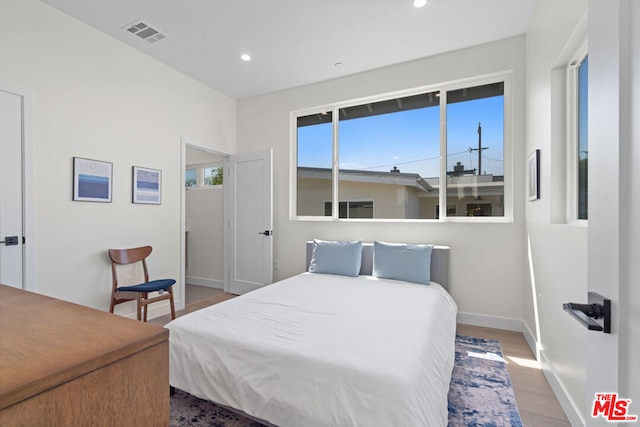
(267, 232)
(10, 241)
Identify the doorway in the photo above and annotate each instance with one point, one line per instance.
(203, 222)
(16, 196)
(247, 207)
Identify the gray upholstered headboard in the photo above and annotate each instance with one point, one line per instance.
(439, 262)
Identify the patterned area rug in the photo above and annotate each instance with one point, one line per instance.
(480, 394)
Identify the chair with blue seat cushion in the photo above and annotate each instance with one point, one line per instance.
(136, 257)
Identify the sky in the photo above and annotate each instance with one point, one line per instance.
(410, 140)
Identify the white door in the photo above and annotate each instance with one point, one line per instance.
(11, 119)
(248, 187)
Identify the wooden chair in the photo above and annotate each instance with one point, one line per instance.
(140, 292)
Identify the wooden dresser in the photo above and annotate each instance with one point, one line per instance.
(63, 364)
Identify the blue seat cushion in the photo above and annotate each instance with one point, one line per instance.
(152, 286)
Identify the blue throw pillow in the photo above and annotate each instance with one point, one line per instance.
(342, 258)
(410, 263)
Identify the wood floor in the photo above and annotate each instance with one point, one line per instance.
(536, 401)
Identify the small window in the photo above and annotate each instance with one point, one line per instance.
(213, 176)
(315, 154)
(583, 137)
(475, 150)
(190, 178)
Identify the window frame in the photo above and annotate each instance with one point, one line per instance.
(505, 77)
(573, 158)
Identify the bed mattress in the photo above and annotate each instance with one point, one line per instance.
(322, 350)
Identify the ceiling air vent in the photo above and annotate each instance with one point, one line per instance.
(145, 31)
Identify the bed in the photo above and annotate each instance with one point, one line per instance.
(325, 349)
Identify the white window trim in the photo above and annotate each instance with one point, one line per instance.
(572, 135)
(506, 77)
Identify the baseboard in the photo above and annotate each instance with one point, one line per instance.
(531, 340)
(209, 283)
(495, 322)
(573, 415)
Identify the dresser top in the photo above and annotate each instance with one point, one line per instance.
(45, 342)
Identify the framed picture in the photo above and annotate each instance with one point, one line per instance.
(92, 180)
(147, 186)
(534, 175)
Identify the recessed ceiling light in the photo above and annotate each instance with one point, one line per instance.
(245, 57)
(419, 3)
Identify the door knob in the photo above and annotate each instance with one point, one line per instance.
(266, 232)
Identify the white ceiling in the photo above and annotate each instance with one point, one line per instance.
(297, 42)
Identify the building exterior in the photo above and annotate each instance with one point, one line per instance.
(398, 195)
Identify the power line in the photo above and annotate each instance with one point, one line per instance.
(411, 161)
(495, 160)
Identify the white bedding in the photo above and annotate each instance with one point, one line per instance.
(323, 350)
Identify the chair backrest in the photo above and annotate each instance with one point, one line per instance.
(128, 257)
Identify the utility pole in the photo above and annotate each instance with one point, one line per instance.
(479, 149)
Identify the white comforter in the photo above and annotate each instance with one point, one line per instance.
(323, 350)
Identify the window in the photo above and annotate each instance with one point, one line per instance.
(388, 152)
(190, 179)
(315, 157)
(583, 138)
(203, 175)
(475, 150)
(212, 176)
(577, 138)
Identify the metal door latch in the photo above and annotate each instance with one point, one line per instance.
(595, 316)
(10, 241)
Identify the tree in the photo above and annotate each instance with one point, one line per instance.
(213, 176)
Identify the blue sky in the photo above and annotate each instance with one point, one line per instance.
(410, 140)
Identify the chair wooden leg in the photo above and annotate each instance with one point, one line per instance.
(139, 307)
(146, 307)
(171, 304)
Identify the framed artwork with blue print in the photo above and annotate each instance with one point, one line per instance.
(92, 180)
(147, 186)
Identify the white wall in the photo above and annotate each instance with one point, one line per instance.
(95, 97)
(487, 259)
(205, 224)
(557, 271)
